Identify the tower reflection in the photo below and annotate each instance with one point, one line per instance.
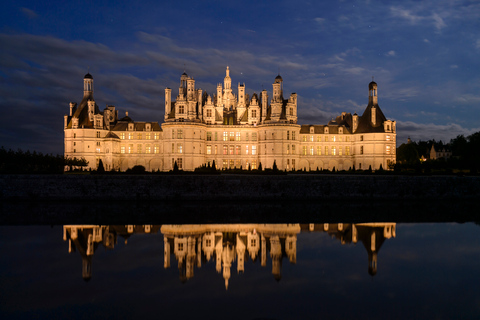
(226, 244)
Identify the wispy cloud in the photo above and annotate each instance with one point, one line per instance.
(413, 18)
(29, 13)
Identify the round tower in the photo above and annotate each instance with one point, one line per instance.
(372, 93)
(87, 85)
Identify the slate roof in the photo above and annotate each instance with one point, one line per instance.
(365, 124)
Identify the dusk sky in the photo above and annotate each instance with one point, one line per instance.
(424, 56)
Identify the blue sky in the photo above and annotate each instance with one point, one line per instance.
(424, 55)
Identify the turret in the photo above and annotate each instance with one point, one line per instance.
(168, 102)
(372, 94)
(277, 89)
(87, 85)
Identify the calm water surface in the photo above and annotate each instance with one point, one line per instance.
(242, 271)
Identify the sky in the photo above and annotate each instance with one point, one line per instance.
(424, 56)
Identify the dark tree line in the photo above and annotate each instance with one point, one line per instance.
(465, 155)
(32, 162)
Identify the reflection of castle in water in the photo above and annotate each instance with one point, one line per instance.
(86, 239)
(226, 244)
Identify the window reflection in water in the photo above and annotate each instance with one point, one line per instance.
(226, 244)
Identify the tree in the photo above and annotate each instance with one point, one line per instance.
(408, 154)
(100, 166)
(274, 168)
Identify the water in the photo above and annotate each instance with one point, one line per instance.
(290, 271)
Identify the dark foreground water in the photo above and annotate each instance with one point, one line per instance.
(241, 271)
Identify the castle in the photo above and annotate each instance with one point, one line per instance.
(232, 130)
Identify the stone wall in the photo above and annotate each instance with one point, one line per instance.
(235, 187)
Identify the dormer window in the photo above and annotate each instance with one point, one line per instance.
(130, 127)
(147, 127)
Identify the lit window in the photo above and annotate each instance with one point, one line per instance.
(122, 135)
(157, 136)
(209, 149)
(311, 151)
(246, 149)
(139, 148)
(179, 148)
(130, 136)
(237, 150)
(237, 136)
(254, 164)
(232, 136)
(148, 149)
(130, 148)
(388, 149)
(254, 150)
(326, 150)
(231, 149)
(319, 139)
(311, 138)
(225, 149)
(216, 149)
(334, 138)
(304, 152)
(139, 136)
(347, 151)
(334, 151)
(225, 163)
(388, 138)
(319, 151)
(340, 151)
(122, 149)
(225, 136)
(304, 138)
(147, 136)
(326, 138)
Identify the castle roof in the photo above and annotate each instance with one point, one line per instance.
(365, 124)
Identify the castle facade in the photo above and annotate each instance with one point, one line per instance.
(230, 129)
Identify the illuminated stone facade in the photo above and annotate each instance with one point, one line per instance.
(231, 129)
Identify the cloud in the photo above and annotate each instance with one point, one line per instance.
(427, 131)
(319, 20)
(390, 53)
(415, 19)
(29, 13)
